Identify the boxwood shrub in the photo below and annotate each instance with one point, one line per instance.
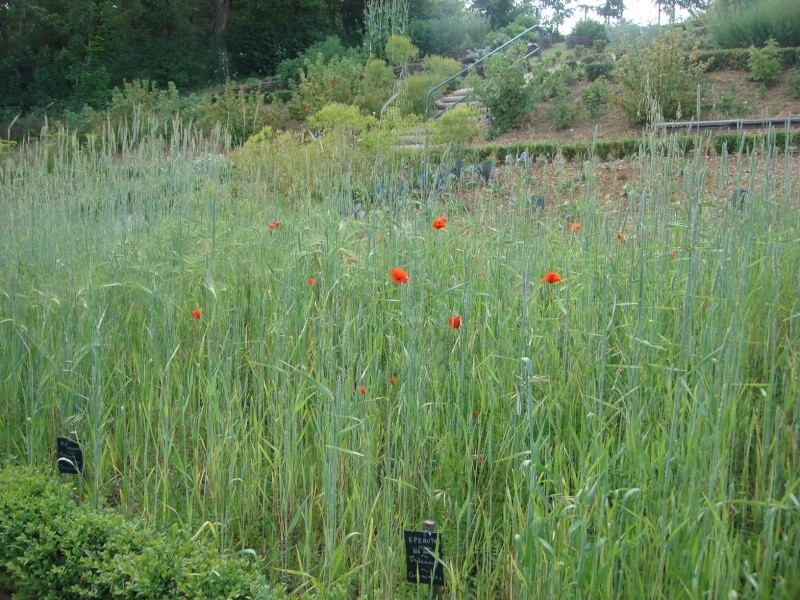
(52, 548)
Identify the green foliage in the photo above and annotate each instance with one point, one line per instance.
(415, 88)
(448, 35)
(600, 45)
(794, 84)
(441, 66)
(413, 92)
(764, 64)
(596, 70)
(563, 112)
(382, 19)
(551, 82)
(338, 80)
(667, 71)
(239, 113)
(341, 117)
(504, 91)
(377, 83)
(291, 70)
(736, 58)
(589, 28)
(754, 24)
(51, 548)
(400, 51)
(458, 127)
(596, 96)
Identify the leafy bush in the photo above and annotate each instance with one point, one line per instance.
(596, 96)
(589, 28)
(324, 83)
(441, 66)
(290, 70)
(598, 69)
(400, 51)
(51, 548)
(504, 91)
(666, 71)
(458, 127)
(764, 65)
(342, 117)
(563, 113)
(377, 83)
(753, 24)
(600, 45)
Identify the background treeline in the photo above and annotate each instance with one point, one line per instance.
(71, 53)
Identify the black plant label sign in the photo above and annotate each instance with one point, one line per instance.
(70, 456)
(421, 564)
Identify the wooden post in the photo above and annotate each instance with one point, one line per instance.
(429, 526)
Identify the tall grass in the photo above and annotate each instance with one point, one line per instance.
(631, 432)
(754, 24)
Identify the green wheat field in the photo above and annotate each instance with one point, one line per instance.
(224, 334)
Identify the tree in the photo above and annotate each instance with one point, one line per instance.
(670, 7)
(560, 8)
(499, 12)
(611, 9)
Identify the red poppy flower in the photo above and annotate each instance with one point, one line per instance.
(671, 255)
(476, 414)
(310, 282)
(362, 389)
(392, 380)
(439, 223)
(551, 277)
(197, 313)
(399, 276)
(274, 224)
(573, 227)
(454, 322)
(621, 238)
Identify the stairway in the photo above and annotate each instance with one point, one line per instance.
(452, 99)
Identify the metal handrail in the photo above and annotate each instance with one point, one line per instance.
(462, 71)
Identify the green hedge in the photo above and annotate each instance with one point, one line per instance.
(736, 59)
(622, 148)
(52, 548)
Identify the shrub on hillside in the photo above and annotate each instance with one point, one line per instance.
(588, 28)
(337, 80)
(341, 117)
(598, 69)
(764, 64)
(563, 112)
(596, 96)
(665, 72)
(290, 70)
(400, 51)
(377, 83)
(458, 127)
(504, 91)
